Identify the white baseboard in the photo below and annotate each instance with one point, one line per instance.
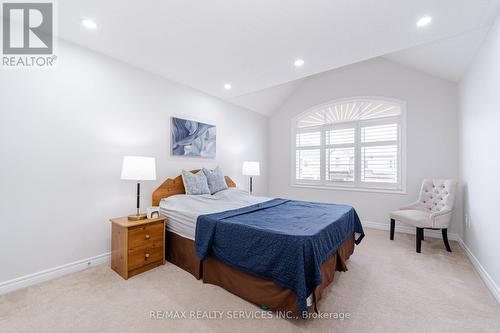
(407, 229)
(487, 279)
(52, 273)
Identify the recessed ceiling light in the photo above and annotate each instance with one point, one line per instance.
(298, 63)
(227, 86)
(89, 24)
(422, 22)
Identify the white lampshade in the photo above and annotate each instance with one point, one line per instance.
(251, 168)
(138, 168)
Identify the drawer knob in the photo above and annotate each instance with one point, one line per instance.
(147, 236)
(146, 255)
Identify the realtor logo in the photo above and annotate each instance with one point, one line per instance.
(28, 29)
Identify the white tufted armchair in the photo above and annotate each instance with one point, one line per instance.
(432, 210)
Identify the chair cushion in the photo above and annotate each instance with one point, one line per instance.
(416, 218)
(437, 194)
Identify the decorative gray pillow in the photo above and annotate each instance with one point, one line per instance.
(195, 183)
(215, 179)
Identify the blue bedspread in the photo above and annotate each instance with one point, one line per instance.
(280, 240)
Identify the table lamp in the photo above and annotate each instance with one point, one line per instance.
(138, 168)
(251, 168)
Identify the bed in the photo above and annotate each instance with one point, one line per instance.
(265, 268)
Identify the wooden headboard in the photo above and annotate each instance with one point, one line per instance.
(176, 186)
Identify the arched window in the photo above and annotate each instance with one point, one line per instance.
(355, 143)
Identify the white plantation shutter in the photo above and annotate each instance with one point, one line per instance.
(308, 155)
(387, 132)
(350, 143)
(308, 139)
(340, 164)
(340, 151)
(340, 136)
(308, 164)
(379, 153)
(379, 164)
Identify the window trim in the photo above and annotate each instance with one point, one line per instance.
(352, 186)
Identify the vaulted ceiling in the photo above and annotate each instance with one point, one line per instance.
(446, 58)
(252, 44)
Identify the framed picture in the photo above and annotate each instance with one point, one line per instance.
(192, 138)
(153, 212)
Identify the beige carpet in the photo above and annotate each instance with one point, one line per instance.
(388, 288)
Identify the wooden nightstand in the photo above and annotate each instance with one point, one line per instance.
(137, 246)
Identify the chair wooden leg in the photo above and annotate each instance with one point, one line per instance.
(423, 234)
(445, 239)
(420, 233)
(393, 224)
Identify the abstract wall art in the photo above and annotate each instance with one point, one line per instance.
(192, 138)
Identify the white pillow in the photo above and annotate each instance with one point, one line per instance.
(215, 179)
(195, 183)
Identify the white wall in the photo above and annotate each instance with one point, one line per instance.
(63, 133)
(432, 148)
(480, 153)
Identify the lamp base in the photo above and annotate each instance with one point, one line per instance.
(137, 217)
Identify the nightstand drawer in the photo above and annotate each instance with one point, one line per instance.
(145, 235)
(137, 246)
(145, 256)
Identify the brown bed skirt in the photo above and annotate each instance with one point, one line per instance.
(181, 252)
(266, 293)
